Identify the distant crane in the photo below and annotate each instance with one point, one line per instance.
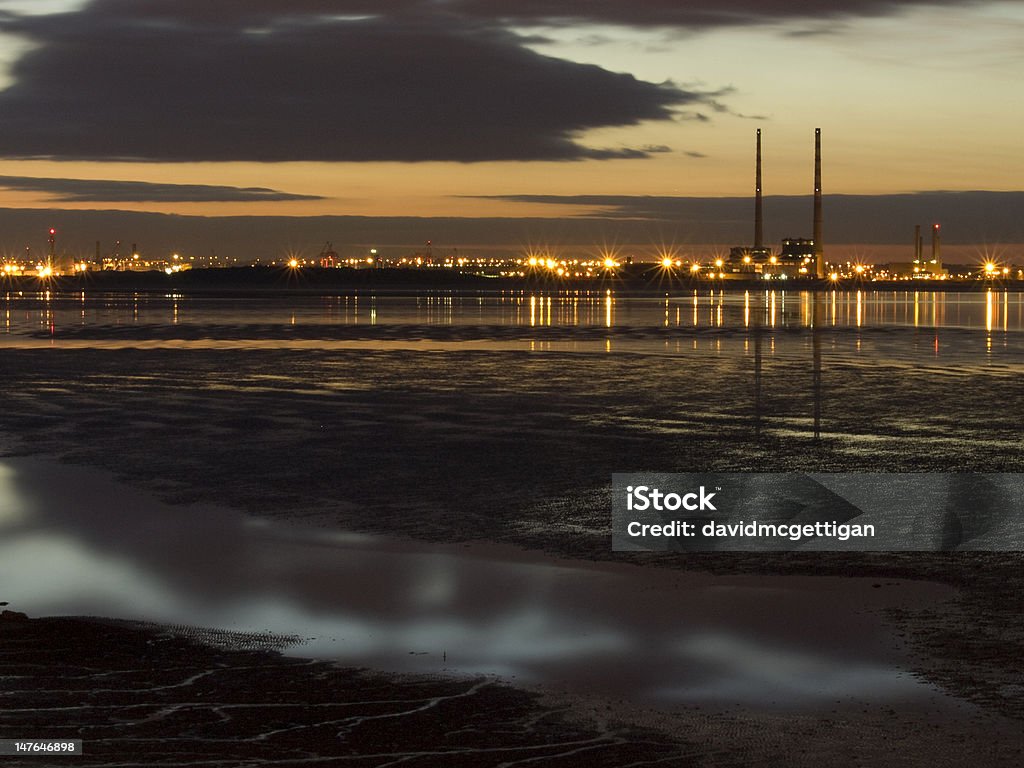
(328, 256)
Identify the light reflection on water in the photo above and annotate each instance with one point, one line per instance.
(72, 541)
(992, 310)
(877, 325)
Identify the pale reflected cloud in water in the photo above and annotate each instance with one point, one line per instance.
(742, 670)
(64, 573)
(11, 506)
(85, 544)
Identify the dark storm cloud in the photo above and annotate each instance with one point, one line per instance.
(346, 80)
(673, 13)
(101, 191)
(636, 13)
(121, 81)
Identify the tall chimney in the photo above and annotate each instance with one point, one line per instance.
(936, 256)
(758, 216)
(819, 254)
(917, 242)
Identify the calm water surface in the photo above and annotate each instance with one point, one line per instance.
(73, 541)
(992, 313)
(919, 328)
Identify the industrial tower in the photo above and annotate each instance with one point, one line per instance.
(819, 251)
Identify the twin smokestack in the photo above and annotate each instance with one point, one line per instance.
(758, 214)
(819, 254)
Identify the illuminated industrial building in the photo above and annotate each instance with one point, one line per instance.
(920, 268)
(799, 257)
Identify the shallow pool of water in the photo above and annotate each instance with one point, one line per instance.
(75, 541)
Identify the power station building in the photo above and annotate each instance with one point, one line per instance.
(920, 268)
(800, 257)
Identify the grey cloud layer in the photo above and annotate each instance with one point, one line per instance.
(342, 80)
(107, 85)
(693, 14)
(966, 217)
(975, 216)
(101, 191)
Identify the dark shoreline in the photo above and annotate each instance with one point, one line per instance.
(143, 695)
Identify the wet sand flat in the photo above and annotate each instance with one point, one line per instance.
(140, 696)
(517, 447)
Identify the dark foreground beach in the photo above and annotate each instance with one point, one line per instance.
(142, 696)
(478, 438)
(146, 696)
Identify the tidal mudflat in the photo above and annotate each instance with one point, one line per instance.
(443, 420)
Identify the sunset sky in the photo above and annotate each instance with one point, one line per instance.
(483, 108)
